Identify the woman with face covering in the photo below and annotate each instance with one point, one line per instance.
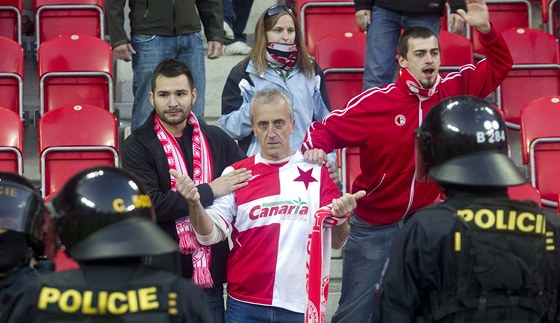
(279, 58)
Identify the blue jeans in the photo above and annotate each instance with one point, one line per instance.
(236, 14)
(150, 50)
(241, 312)
(363, 258)
(215, 298)
(382, 40)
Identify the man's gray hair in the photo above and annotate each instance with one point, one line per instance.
(268, 95)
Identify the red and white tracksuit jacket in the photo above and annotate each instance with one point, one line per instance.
(381, 122)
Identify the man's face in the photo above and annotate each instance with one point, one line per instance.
(272, 127)
(422, 60)
(172, 99)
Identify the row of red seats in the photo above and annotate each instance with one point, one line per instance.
(53, 18)
(316, 17)
(71, 138)
(72, 69)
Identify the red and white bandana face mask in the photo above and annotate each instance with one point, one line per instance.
(283, 55)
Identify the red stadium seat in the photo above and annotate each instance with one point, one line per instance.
(342, 58)
(525, 192)
(11, 142)
(540, 146)
(350, 167)
(456, 51)
(60, 17)
(550, 15)
(504, 14)
(320, 18)
(535, 73)
(75, 69)
(10, 20)
(73, 138)
(11, 76)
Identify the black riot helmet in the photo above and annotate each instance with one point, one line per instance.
(462, 140)
(105, 213)
(22, 210)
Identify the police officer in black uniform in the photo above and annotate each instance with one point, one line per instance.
(24, 231)
(478, 256)
(104, 219)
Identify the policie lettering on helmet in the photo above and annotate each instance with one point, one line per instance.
(105, 213)
(462, 140)
(25, 227)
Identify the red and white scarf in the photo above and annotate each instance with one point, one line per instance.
(318, 267)
(202, 173)
(416, 88)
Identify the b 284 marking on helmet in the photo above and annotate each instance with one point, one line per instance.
(490, 136)
(139, 201)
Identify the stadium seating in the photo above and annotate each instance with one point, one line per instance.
(456, 51)
(73, 138)
(320, 18)
(11, 142)
(550, 15)
(540, 146)
(504, 14)
(10, 19)
(525, 192)
(11, 76)
(75, 69)
(535, 73)
(60, 17)
(342, 57)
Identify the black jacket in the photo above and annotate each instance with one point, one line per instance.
(411, 7)
(120, 293)
(473, 247)
(143, 155)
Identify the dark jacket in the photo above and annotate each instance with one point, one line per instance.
(411, 7)
(479, 254)
(164, 18)
(143, 155)
(120, 293)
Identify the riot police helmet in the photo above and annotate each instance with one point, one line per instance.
(22, 210)
(106, 213)
(462, 140)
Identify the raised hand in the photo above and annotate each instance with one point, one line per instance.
(476, 15)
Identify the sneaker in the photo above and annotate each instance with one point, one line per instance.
(228, 31)
(237, 48)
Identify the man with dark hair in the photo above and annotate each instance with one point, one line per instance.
(383, 21)
(105, 220)
(478, 256)
(25, 229)
(172, 138)
(381, 122)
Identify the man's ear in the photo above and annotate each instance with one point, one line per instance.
(402, 61)
(152, 99)
(194, 95)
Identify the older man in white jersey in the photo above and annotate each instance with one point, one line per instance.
(270, 219)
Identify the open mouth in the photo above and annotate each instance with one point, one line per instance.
(428, 71)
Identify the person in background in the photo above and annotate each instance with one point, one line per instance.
(172, 138)
(26, 237)
(236, 14)
(383, 21)
(479, 256)
(105, 220)
(279, 59)
(381, 122)
(162, 29)
(267, 281)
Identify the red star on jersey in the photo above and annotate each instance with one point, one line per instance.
(305, 177)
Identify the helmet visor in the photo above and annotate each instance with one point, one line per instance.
(16, 206)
